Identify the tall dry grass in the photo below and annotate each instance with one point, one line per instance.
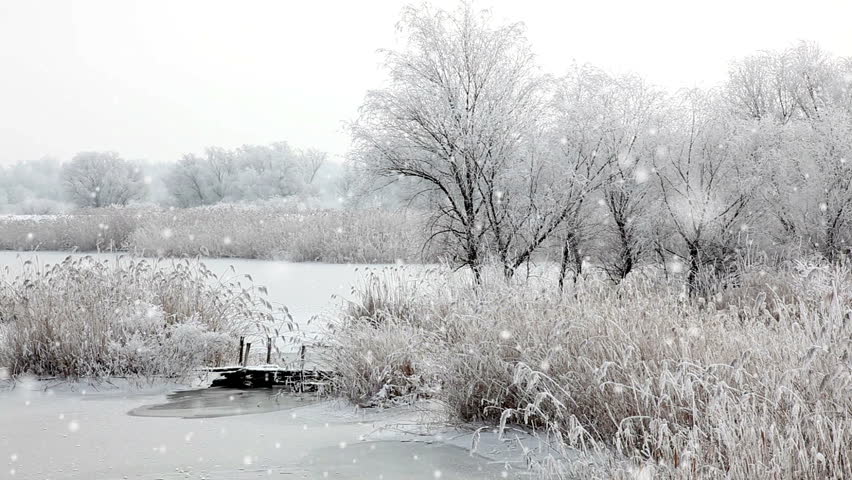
(86, 230)
(84, 317)
(229, 230)
(333, 236)
(755, 382)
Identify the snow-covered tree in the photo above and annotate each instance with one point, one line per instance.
(631, 118)
(100, 179)
(250, 172)
(32, 187)
(262, 172)
(463, 94)
(799, 108)
(707, 179)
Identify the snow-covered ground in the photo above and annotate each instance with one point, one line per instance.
(66, 431)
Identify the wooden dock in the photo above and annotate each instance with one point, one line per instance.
(265, 376)
(268, 375)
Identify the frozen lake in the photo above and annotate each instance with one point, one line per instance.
(219, 434)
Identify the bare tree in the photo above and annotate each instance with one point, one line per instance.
(250, 172)
(262, 172)
(803, 144)
(588, 146)
(626, 113)
(808, 181)
(460, 100)
(309, 162)
(186, 181)
(99, 179)
(706, 185)
(758, 87)
(222, 167)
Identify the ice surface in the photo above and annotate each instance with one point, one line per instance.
(74, 432)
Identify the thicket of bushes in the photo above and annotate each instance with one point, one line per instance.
(242, 231)
(127, 317)
(755, 382)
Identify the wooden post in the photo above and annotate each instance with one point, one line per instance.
(268, 350)
(302, 350)
(242, 345)
(246, 358)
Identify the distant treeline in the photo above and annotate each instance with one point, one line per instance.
(248, 173)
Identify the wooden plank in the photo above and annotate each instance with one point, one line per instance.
(248, 349)
(259, 377)
(268, 350)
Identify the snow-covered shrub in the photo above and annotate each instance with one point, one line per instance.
(89, 318)
(383, 345)
(382, 364)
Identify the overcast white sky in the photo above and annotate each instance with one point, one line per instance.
(155, 79)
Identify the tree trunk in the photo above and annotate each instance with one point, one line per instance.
(570, 255)
(692, 273)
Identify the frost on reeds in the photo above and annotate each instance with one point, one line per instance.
(333, 236)
(85, 317)
(379, 347)
(755, 382)
(229, 230)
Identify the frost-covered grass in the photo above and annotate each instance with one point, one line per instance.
(86, 230)
(333, 236)
(235, 230)
(85, 317)
(755, 383)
